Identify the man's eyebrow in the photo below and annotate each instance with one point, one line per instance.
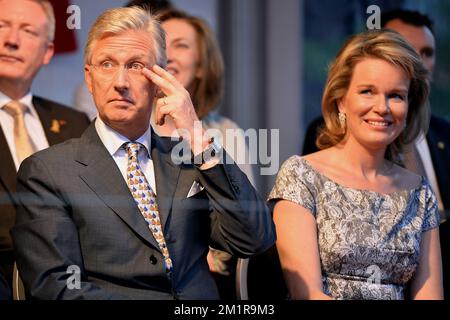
(27, 24)
(22, 24)
(108, 56)
(138, 57)
(102, 56)
(32, 26)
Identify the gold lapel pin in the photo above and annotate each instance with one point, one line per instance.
(56, 125)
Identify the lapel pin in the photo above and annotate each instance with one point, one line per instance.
(441, 145)
(56, 125)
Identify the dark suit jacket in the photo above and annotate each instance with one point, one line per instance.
(438, 139)
(5, 291)
(312, 132)
(76, 209)
(71, 124)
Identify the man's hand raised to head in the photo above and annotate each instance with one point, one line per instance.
(174, 101)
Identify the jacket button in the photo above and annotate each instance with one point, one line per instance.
(153, 259)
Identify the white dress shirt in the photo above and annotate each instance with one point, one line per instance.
(425, 156)
(32, 123)
(113, 142)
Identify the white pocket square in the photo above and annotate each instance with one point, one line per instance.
(195, 188)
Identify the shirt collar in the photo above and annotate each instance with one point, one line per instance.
(113, 140)
(26, 100)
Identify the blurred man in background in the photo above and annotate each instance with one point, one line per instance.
(28, 123)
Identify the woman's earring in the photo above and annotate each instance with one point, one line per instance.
(342, 119)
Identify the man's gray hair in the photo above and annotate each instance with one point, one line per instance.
(120, 20)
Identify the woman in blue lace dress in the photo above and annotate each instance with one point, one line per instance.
(351, 222)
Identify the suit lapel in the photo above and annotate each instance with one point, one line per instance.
(440, 154)
(7, 166)
(104, 178)
(166, 175)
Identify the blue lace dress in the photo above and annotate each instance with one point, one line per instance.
(369, 243)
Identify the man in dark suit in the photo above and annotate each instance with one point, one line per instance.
(434, 150)
(115, 214)
(26, 34)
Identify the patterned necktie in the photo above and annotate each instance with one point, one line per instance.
(22, 141)
(145, 199)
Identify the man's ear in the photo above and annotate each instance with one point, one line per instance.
(49, 51)
(88, 77)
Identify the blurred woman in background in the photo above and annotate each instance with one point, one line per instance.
(195, 59)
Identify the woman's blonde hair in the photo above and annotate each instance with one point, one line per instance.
(120, 20)
(208, 89)
(391, 47)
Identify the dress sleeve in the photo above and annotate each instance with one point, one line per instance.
(431, 217)
(294, 184)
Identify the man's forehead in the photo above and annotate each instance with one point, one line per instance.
(24, 11)
(123, 45)
(413, 34)
(129, 37)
